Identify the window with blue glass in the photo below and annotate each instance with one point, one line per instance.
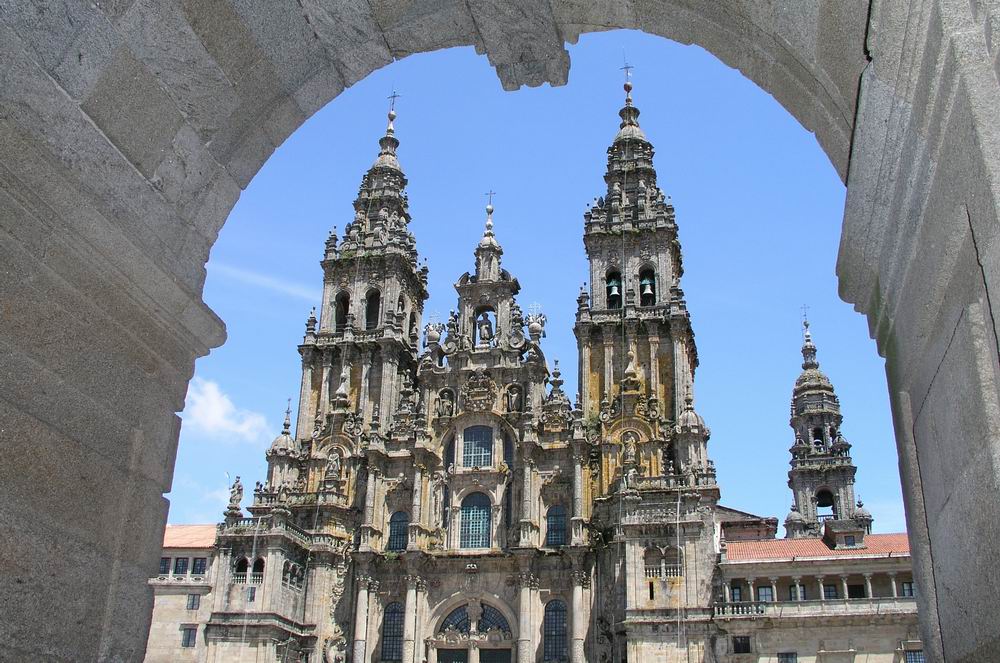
(916, 656)
(457, 619)
(555, 526)
(398, 524)
(199, 566)
(492, 619)
(392, 633)
(475, 528)
(164, 565)
(765, 594)
(788, 657)
(477, 446)
(829, 591)
(555, 643)
(189, 636)
(180, 566)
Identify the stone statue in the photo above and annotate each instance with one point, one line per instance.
(446, 404)
(333, 467)
(345, 376)
(236, 493)
(485, 328)
(514, 399)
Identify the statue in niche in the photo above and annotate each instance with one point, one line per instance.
(514, 398)
(345, 376)
(485, 328)
(333, 467)
(236, 493)
(446, 404)
(629, 440)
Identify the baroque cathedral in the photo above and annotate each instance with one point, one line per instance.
(442, 500)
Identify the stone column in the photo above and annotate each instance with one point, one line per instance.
(654, 364)
(410, 618)
(798, 588)
(370, 493)
(819, 583)
(584, 385)
(727, 592)
(525, 649)
(415, 505)
(324, 387)
(390, 365)
(577, 519)
(473, 652)
(868, 585)
(304, 421)
(774, 589)
(892, 582)
(609, 363)
(581, 579)
(367, 356)
(753, 592)
(843, 586)
(361, 620)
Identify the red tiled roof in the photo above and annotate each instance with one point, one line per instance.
(875, 544)
(189, 536)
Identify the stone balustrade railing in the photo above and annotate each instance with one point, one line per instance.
(864, 606)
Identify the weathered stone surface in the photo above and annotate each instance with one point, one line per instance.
(522, 41)
(133, 111)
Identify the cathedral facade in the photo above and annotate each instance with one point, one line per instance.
(442, 500)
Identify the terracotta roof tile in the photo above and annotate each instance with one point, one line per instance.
(189, 536)
(875, 544)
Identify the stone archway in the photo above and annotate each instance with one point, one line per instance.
(129, 127)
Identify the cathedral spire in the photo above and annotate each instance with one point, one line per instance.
(808, 348)
(488, 251)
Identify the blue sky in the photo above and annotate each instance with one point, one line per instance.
(758, 204)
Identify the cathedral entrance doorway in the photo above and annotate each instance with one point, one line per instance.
(494, 656)
(453, 656)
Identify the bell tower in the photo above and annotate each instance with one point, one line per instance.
(364, 348)
(822, 472)
(653, 489)
(632, 324)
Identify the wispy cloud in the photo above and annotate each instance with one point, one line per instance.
(209, 410)
(266, 281)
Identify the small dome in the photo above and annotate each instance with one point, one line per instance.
(794, 516)
(689, 419)
(861, 513)
(285, 441)
(630, 132)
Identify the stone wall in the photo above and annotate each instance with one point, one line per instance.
(129, 127)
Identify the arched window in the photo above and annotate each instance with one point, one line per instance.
(392, 632)
(457, 619)
(826, 507)
(555, 646)
(555, 526)
(673, 563)
(817, 437)
(475, 528)
(398, 524)
(478, 447)
(614, 290)
(372, 305)
(240, 570)
(647, 288)
(492, 619)
(258, 571)
(342, 308)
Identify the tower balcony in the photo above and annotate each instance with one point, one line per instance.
(899, 605)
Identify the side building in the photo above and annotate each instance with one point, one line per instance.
(449, 503)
